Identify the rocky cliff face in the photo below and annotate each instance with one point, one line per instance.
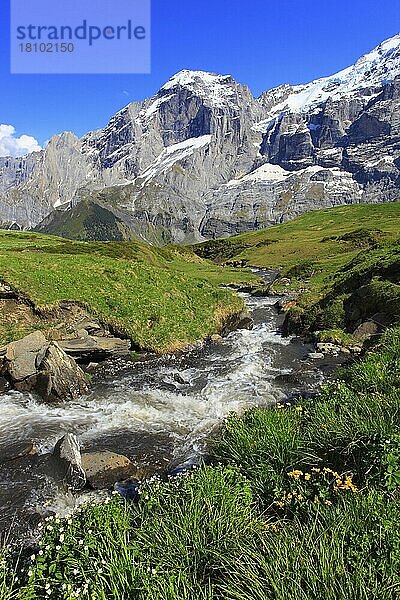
(204, 158)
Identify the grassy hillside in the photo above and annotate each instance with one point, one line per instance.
(303, 505)
(162, 299)
(87, 221)
(328, 255)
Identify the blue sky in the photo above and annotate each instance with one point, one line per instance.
(262, 43)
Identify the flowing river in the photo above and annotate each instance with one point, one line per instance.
(156, 411)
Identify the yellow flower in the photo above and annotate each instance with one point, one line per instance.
(307, 477)
(299, 408)
(296, 474)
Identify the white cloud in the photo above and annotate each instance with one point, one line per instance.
(16, 146)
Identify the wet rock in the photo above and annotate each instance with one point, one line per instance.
(176, 469)
(93, 348)
(316, 355)
(4, 385)
(59, 377)
(235, 322)
(344, 350)
(25, 450)
(355, 349)
(327, 348)
(33, 364)
(179, 379)
(216, 338)
(262, 292)
(66, 462)
(103, 469)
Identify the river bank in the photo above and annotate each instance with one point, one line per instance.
(156, 412)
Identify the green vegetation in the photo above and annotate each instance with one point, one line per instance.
(345, 262)
(326, 236)
(302, 503)
(162, 298)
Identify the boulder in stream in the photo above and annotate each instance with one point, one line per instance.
(32, 364)
(59, 377)
(103, 469)
(66, 462)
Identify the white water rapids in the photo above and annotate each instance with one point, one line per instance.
(154, 411)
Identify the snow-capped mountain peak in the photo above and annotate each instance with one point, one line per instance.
(188, 78)
(217, 90)
(370, 71)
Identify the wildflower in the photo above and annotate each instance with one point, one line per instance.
(30, 573)
(40, 552)
(300, 497)
(299, 408)
(58, 547)
(296, 474)
(315, 470)
(328, 502)
(62, 538)
(307, 477)
(33, 557)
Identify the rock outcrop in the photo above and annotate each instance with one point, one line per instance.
(203, 158)
(33, 364)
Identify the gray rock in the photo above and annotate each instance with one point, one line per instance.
(327, 348)
(95, 347)
(316, 355)
(203, 158)
(19, 358)
(59, 377)
(66, 462)
(367, 330)
(236, 321)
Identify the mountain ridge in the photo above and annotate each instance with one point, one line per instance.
(204, 158)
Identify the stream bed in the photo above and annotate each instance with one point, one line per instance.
(154, 412)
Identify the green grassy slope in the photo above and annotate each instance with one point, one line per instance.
(161, 298)
(328, 255)
(314, 236)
